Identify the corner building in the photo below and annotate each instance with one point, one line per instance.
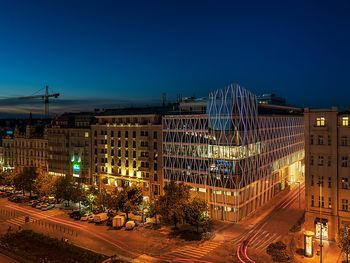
(237, 155)
(327, 171)
(127, 149)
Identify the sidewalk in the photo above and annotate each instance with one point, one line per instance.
(331, 252)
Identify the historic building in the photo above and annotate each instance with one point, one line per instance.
(237, 155)
(30, 147)
(7, 152)
(127, 149)
(327, 171)
(69, 146)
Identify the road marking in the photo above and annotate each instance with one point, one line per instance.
(193, 251)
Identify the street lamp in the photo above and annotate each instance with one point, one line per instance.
(321, 226)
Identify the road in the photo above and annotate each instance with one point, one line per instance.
(271, 228)
(241, 242)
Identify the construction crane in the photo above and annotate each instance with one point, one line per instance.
(45, 97)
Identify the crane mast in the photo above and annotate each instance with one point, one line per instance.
(45, 97)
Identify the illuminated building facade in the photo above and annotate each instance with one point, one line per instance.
(69, 146)
(237, 155)
(327, 171)
(30, 148)
(127, 149)
(7, 153)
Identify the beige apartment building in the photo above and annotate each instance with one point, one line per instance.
(7, 155)
(30, 148)
(327, 171)
(127, 149)
(69, 146)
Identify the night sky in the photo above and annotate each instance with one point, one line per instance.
(114, 53)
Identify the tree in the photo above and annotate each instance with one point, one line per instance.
(344, 241)
(129, 199)
(44, 184)
(89, 197)
(196, 213)
(171, 206)
(64, 189)
(25, 180)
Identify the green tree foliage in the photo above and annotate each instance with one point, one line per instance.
(344, 241)
(89, 197)
(196, 213)
(129, 199)
(25, 180)
(171, 206)
(65, 189)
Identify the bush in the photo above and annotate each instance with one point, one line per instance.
(278, 252)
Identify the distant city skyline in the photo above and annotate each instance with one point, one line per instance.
(107, 54)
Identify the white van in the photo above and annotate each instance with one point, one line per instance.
(101, 217)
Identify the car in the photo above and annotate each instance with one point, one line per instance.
(130, 225)
(51, 206)
(77, 216)
(39, 205)
(85, 217)
(44, 207)
(33, 202)
(100, 218)
(71, 214)
(91, 219)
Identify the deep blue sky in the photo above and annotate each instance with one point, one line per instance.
(108, 52)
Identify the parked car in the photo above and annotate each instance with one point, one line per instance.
(101, 217)
(91, 219)
(39, 205)
(130, 225)
(32, 202)
(71, 214)
(77, 216)
(85, 217)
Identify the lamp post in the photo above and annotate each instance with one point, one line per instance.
(321, 226)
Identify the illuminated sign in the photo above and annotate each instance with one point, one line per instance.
(9, 132)
(76, 165)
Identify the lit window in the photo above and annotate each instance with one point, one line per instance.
(321, 121)
(86, 134)
(345, 204)
(345, 121)
(344, 161)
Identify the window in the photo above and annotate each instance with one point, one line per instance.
(312, 180)
(321, 201)
(126, 134)
(329, 202)
(345, 121)
(344, 161)
(311, 139)
(320, 140)
(134, 164)
(112, 134)
(329, 182)
(320, 121)
(344, 183)
(126, 163)
(86, 134)
(155, 146)
(320, 160)
(344, 141)
(312, 200)
(134, 134)
(345, 204)
(329, 163)
(119, 134)
(155, 135)
(311, 160)
(329, 140)
(134, 144)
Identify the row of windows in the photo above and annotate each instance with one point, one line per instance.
(126, 144)
(321, 121)
(344, 161)
(126, 134)
(344, 182)
(321, 141)
(344, 203)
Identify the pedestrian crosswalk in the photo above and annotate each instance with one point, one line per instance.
(20, 220)
(260, 241)
(195, 251)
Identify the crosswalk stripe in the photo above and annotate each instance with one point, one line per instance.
(267, 241)
(259, 236)
(271, 241)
